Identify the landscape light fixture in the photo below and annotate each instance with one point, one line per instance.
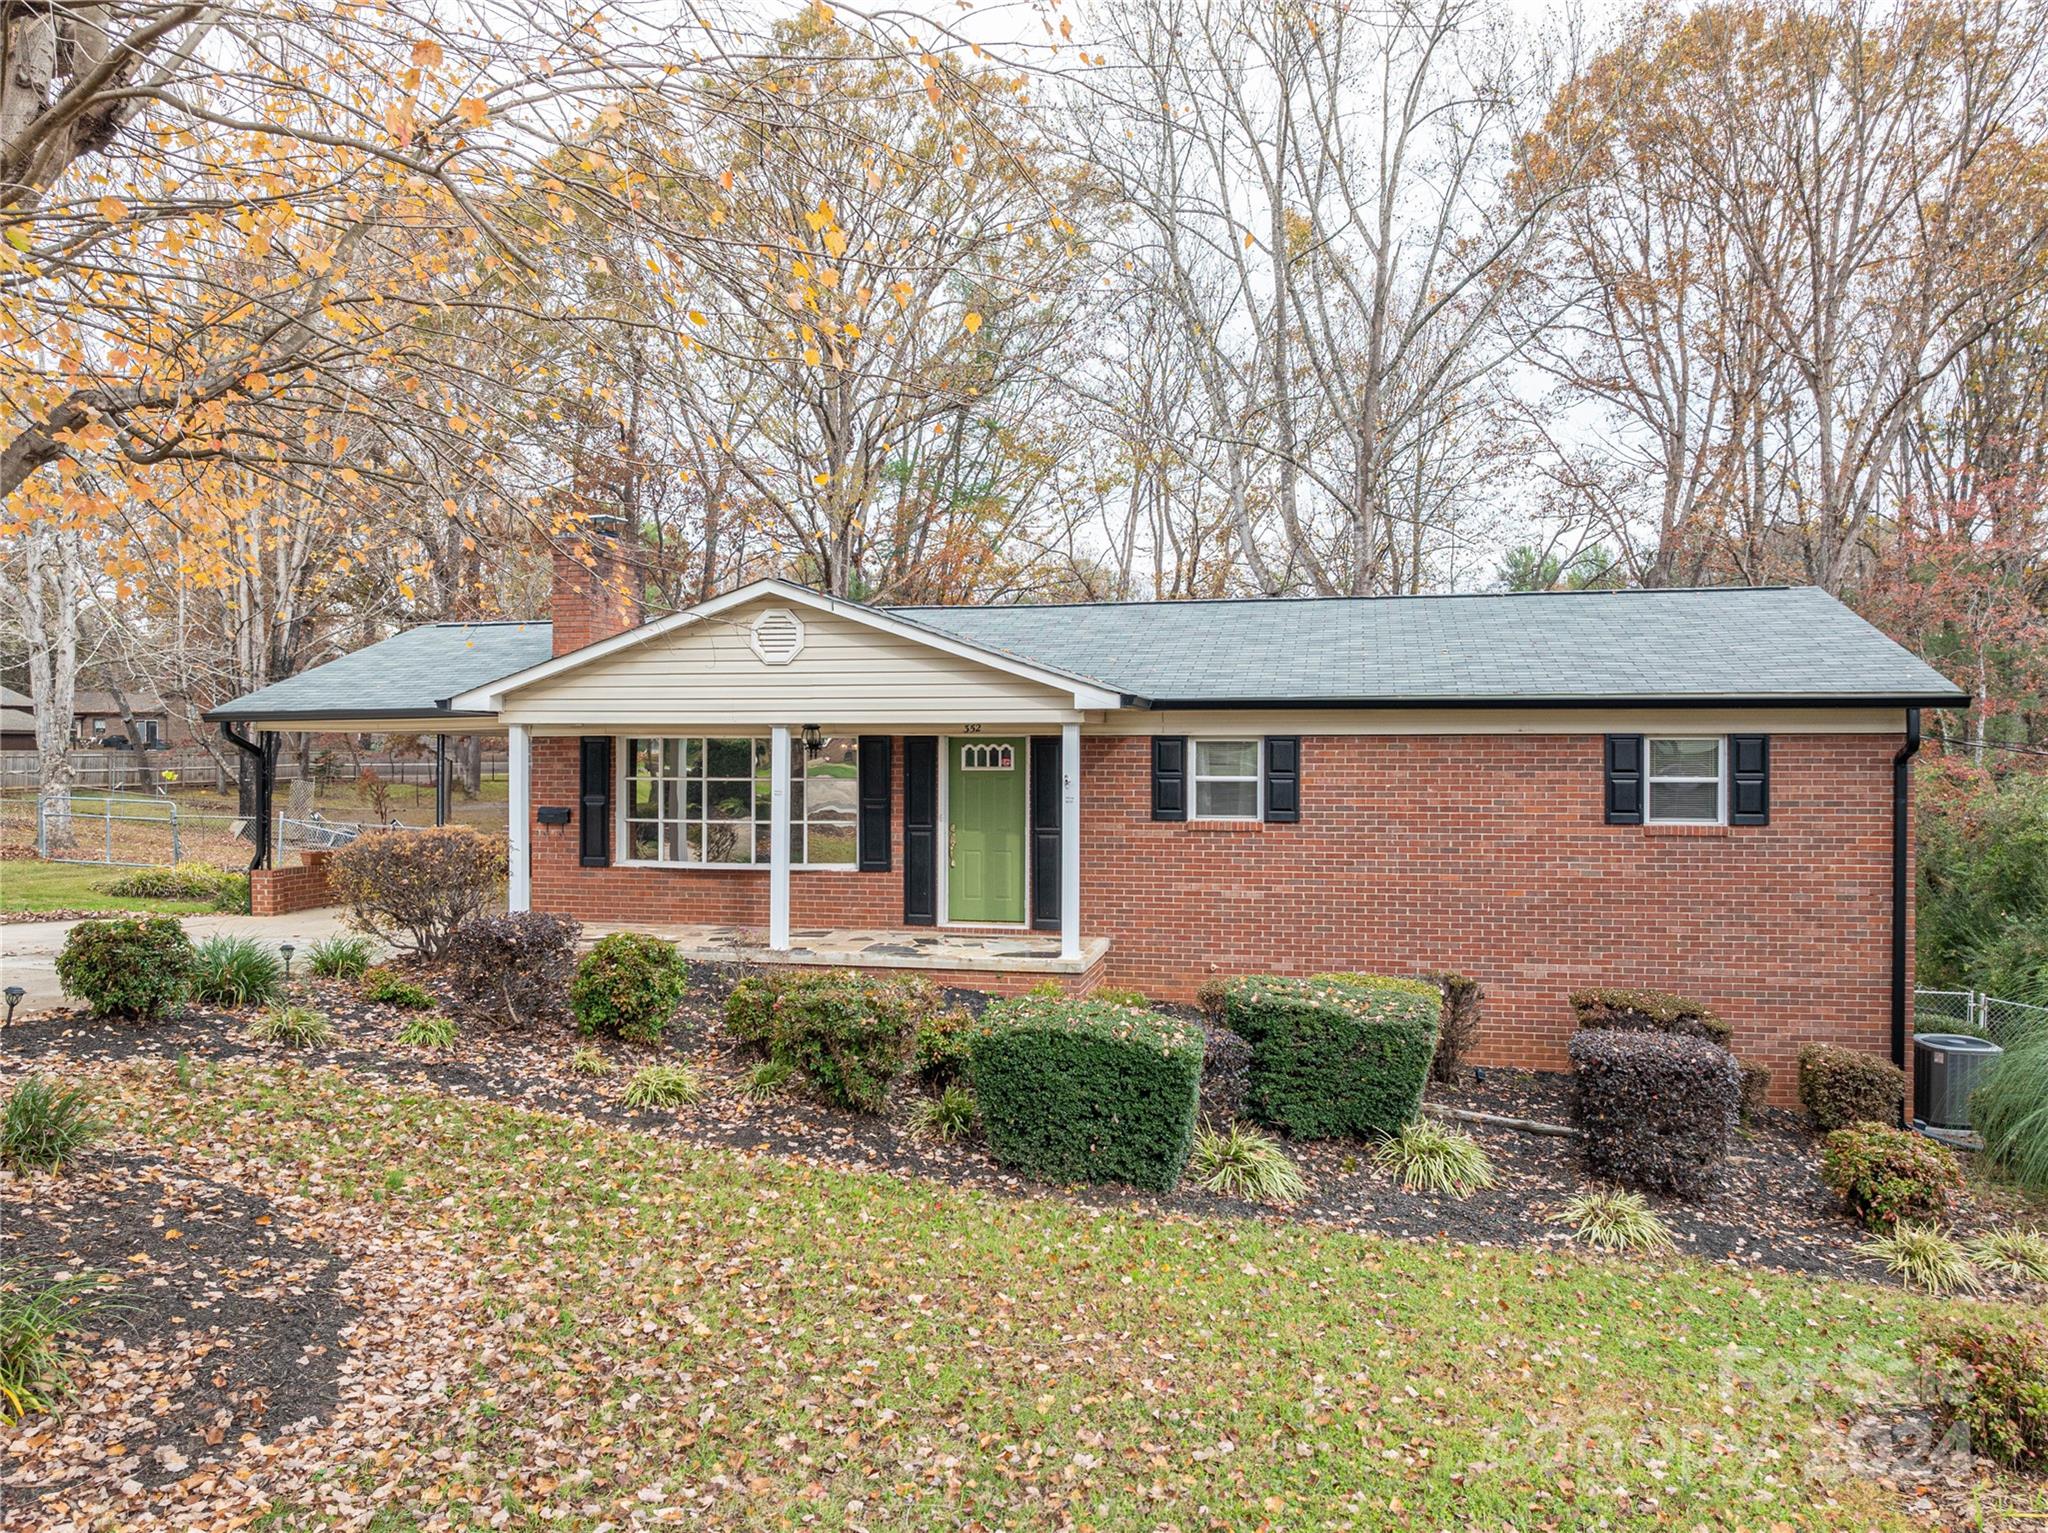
(287, 949)
(14, 995)
(814, 739)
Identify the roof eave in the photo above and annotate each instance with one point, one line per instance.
(1591, 700)
(236, 713)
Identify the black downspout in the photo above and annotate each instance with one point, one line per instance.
(440, 779)
(260, 760)
(1902, 777)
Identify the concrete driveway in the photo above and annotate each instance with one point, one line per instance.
(28, 951)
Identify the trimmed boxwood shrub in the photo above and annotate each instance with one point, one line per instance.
(1657, 1108)
(629, 985)
(131, 966)
(1086, 1090)
(1335, 1054)
(513, 968)
(1648, 1011)
(1989, 1372)
(1885, 1174)
(1838, 1087)
(850, 1034)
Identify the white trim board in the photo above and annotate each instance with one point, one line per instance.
(1499, 721)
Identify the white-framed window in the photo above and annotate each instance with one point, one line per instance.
(705, 801)
(1226, 779)
(1684, 778)
(146, 728)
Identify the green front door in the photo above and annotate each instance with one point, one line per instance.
(985, 830)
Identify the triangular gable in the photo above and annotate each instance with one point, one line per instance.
(774, 645)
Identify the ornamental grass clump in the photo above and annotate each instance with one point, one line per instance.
(1884, 1175)
(663, 1086)
(2010, 1111)
(1241, 1162)
(592, 1062)
(1336, 1054)
(2022, 1254)
(1085, 1091)
(428, 1030)
(43, 1126)
(948, 1116)
(38, 1316)
(296, 1027)
(235, 971)
(340, 957)
(628, 986)
(1431, 1157)
(1838, 1087)
(1657, 1109)
(1606, 1219)
(1923, 1257)
(767, 1080)
(138, 967)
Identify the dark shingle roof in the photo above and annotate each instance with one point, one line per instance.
(407, 675)
(1731, 644)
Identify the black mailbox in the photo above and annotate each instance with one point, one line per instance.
(553, 816)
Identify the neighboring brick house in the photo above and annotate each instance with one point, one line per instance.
(1693, 790)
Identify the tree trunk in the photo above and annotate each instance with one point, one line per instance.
(55, 579)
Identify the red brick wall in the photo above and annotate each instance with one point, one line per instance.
(287, 891)
(1482, 853)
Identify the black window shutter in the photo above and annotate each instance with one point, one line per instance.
(1624, 779)
(1046, 772)
(877, 768)
(920, 830)
(1169, 777)
(1749, 779)
(1283, 779)
(595, 823)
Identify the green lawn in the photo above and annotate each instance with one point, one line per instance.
(32, 886)
(765, 1343)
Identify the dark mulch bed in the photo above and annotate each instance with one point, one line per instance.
(224, 1325)
(1772, 1210)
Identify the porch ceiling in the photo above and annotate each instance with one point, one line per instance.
(874, 947)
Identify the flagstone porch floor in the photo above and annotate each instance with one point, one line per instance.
(873, 948)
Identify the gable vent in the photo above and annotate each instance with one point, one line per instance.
(777, 636)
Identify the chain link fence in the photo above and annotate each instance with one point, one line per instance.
(137, 830)
(1977, 1015)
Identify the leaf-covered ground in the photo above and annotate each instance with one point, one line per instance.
(550, 1323)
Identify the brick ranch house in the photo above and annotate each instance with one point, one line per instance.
(1696, 790)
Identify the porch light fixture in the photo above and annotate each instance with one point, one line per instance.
(814, 739)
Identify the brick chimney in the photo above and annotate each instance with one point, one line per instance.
(595, 589)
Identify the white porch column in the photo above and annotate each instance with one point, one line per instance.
(778, 837)
(519, 816)
(1070, 840)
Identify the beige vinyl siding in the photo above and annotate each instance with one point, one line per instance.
(1499, 721)
(847, 674)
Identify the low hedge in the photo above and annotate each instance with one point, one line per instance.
(1647, 1011)
(1838, 1087)
(628, 985)
(1885, 1174)
(130, 966)
(187, 881)
(1087, 1090)
(1334, 1054)
(1657, 1109)
(1988, 1371)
